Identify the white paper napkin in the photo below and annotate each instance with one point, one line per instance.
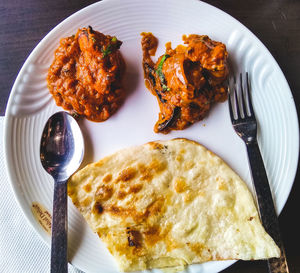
(21, 248)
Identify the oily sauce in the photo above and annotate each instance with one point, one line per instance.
(86, 74)
(186, 80)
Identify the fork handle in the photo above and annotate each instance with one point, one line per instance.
(266, 206)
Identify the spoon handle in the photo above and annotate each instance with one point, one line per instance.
(59, 262)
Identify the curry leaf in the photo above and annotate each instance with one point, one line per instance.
(161, 74)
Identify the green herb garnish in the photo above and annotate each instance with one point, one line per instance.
(114, 39)
(165, 87)
(160, 65)
(106, 51)
(161, 74)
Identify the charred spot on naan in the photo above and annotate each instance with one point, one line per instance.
(156, 166)
(126, 174)
(97, 208)
(134, 237)
(104, 192)
(135, 188)
(107, 178)
(180, 185)
(87, 187)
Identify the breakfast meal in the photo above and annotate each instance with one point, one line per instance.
(86, 74)
(169, 204)
(186, 80)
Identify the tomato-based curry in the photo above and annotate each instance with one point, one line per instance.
(86, 74)
(186, 80)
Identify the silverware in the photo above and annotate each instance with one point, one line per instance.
(61, 153)
(244, 123)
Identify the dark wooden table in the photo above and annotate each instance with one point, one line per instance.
(275, 22)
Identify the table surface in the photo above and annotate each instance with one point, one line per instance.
(275, 22)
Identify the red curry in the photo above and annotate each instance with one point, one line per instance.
(186, 80)
(86, 74)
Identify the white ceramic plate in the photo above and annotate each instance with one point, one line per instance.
(30, 105)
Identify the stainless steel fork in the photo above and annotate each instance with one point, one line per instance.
(244, 123)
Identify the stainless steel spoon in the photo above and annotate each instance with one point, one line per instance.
(61, 152)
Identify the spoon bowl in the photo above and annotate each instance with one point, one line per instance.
(61, 153)
(62, 146)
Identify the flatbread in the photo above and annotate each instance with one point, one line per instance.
(170, 203)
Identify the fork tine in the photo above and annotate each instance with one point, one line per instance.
(243, 101)
(248, 95)
(229, 102)
(235, 99)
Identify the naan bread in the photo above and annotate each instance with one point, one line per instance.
(170, 203)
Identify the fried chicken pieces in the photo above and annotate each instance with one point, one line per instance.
(186, 80)
(86, 74)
